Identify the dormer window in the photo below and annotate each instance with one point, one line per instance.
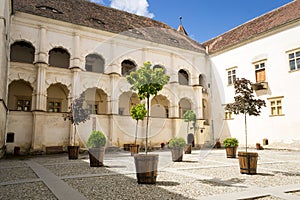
(49, 9)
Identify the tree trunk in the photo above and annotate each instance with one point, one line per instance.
(246, 131)
(146, 146)
(136, 129)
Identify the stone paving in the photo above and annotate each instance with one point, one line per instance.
(204, 174)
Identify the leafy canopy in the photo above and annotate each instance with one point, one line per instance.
(189, 116)
(147, 81)
(138, 112)
(177, 142)
(77, 113)
(244, 101)
(97, 139)
(231, 142)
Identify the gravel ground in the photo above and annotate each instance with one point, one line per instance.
(34, 190)
(199, 175)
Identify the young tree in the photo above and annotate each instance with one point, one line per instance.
(189, 116)
(244, 101)
(77, 114)
(138, 112)
(147, 82)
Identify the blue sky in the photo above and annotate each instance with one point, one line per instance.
(202, 19)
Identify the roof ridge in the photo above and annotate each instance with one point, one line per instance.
(218, 38)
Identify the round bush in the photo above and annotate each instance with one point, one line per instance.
(177, 142)
(97, 139)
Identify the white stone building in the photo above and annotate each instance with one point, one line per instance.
(52, 51)
(265, 50)
(57, 50)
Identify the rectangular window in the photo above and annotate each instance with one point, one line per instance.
(231, 76)
(93, 109)
(294, 60)
(23, 105)
(228, 115)
(260, 73)
(54, 106)
(276, 106)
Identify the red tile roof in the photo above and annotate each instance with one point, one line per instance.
(85, 13)
(269, 21)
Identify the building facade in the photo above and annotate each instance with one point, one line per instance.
(266, 51)
(55, 54)
(53, 51)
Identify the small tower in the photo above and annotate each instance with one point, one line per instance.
(180, 28)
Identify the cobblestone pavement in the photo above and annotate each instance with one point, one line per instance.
(204, 174)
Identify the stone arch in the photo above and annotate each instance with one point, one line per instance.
(126, 101)
(183, 77)
(184, 105)
(128, 65)
(158, 66)
(202, 81)
(94, 63)
(59, 57)
(96, 100)
(22, 51)
(160, 106)
(57, 98)
(20, 95)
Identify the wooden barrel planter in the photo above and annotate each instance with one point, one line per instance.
(73, 152)
(231, 152)
(248, 162)
(96, 156)
(146, 168)
(134, 149)
(188, 149)
(177, 154)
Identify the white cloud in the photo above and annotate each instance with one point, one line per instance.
(139, 7)
(97, 1)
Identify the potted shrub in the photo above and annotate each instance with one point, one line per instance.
(177, 145)
(245, 103)
(231, 145)
(147, 81)
(137, 112)
(189, 116)
(96, 144)
(76, 114)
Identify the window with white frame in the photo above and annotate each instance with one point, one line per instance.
(228, 115)
(260, 72)
(294, 60)
(276, 106)
(231, 75)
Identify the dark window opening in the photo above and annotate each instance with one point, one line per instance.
(10, 137)
(183, 77)
(127, 67)
(22, 52)
(59, 57)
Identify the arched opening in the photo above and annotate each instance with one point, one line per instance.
(57, 98)
(160, 106)
(126, 101)
(202, 81)
(183, 77)
(94, 63)
(22, 52)
(159, 67)
(127, 67)
(184, 105)
(96, 101)
(59, 57)
(20, 96)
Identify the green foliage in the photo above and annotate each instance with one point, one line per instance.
(138, 112)
(77, 114)
(244, 101)
(147, 81)
(177, 142)
(231, 142)
(189, 116)
(97, 139)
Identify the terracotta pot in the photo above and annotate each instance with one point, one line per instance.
(177, 154)
(96, 156)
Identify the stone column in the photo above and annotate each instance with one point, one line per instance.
(75, 60)
(41, 90)
(42, 54)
